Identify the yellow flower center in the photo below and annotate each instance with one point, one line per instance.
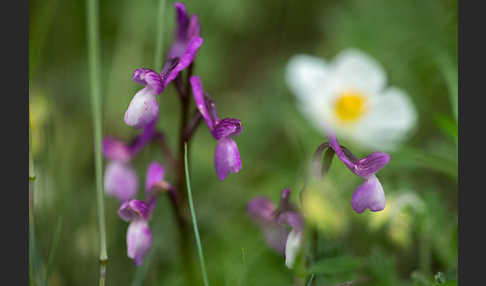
(350, 106)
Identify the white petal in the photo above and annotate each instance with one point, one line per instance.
(353, 69)
(390, 119)
(139, 240)
(292, 247)
(306, 75)
(143, 108)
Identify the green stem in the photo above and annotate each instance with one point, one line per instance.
(31, 205)
(194, 220)
(94, 59)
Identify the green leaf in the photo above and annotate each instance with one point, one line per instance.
(417, 158)
(55, 243)
(449, 70)
(450, 283)
(310, 280)
(448, 126)
(336, 265)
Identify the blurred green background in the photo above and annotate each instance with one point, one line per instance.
(242, 62)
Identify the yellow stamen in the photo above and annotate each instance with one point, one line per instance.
(350, 106)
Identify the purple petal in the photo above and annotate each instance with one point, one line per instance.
(212, 109)
(285, 204)
(227, 127)
(370, 195)
(292, 218)
(168, 67)
(149, 131)
(340, 153)
(187, 29)
(182, 21)
(276, 236)
(226, 158)
(369, 165)
(365, 167)
(199, 100)
(134, 210)
(114, 149)
(148, 78)
(143, 108)
(186, 59)
(194, 29)
(261, 210)
(155, 175)
(120, 181)
(139, 240)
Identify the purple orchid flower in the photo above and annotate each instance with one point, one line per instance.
(187, 29)
(370, 193)
(139, 236)
(138, 213)
(143, 108)
(120, 179)
(226, 156)
(282, 226)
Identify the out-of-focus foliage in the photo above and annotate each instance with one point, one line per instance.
(246, 47)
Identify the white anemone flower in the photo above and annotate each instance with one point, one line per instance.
(349, 97)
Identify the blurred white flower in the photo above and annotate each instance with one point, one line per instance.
(349, 97)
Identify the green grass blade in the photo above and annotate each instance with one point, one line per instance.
(159, 36)
(95, 91)
(55, 243)
(244, 268)
(194, 220)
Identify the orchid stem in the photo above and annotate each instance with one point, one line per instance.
(192, 125)
(180, 205)
(94, 59)
(194, 220)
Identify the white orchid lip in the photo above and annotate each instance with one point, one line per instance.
(143, 108)
(349, 97)
(292, 247)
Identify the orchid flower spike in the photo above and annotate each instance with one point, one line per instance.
(144, 108)
(226, 156)
(282, 226)
(370, 193)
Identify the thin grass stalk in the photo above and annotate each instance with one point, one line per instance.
(94, 59)
(31, 206)
(194, 220)
(159, 36)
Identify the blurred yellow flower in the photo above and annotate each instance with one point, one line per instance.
(397, 217)
(400, 229)
(322, 207)
(38, 114)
